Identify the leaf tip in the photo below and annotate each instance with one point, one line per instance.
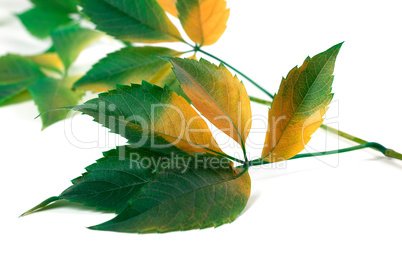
(40, 206)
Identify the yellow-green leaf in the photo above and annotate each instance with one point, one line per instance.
(130, 65)
(219, 96)
(203, 20)
(299, 106)
(153, 117)
(16, 74)
(48, 61)
(169, 6)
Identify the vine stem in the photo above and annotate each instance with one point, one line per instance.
(236, 70)
(372, 145)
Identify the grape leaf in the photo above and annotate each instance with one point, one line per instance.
(219, 96)
(153, 117)
(131, 20)
(203, 20)
(40, 22)
(185, 198)
(50, 93)
(69, 41)
(169, 6)
(63, 6)
(48, 61)
(299, 105)
(131, 65)
(16, 74)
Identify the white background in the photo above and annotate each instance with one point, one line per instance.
(320, 212)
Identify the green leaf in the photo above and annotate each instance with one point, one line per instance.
(152, 117)
(49, 93)
(299, 106)
(160, 192)
(63, 6)
(16, 74)
(41, 22)
(69, 41)
(184, 198)
(131, 20)
(112, 181)
(132, 65)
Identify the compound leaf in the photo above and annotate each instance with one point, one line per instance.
(299, 106)
(131, 20)
(219, 96)
(50, 93)
(69, 41)
(152, 117)
(203, 20)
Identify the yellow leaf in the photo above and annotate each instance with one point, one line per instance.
(299, 106)
(203, 20)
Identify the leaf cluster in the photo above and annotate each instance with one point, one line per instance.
(172, 175)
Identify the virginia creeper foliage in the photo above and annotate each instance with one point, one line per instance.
(172, 174)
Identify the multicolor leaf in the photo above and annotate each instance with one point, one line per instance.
(131, 65)
(169, 6)
(152, 117)
(219, 96)
(203, 20)
(48, 61)
(131, 20)
(16, 74)
(16, 99)
(40, 22)
(299, 106)
(183, 199)
(69, 41)
(49, 93)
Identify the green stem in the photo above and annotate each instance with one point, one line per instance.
(236, 70)
(372, 145)
(257, 100)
